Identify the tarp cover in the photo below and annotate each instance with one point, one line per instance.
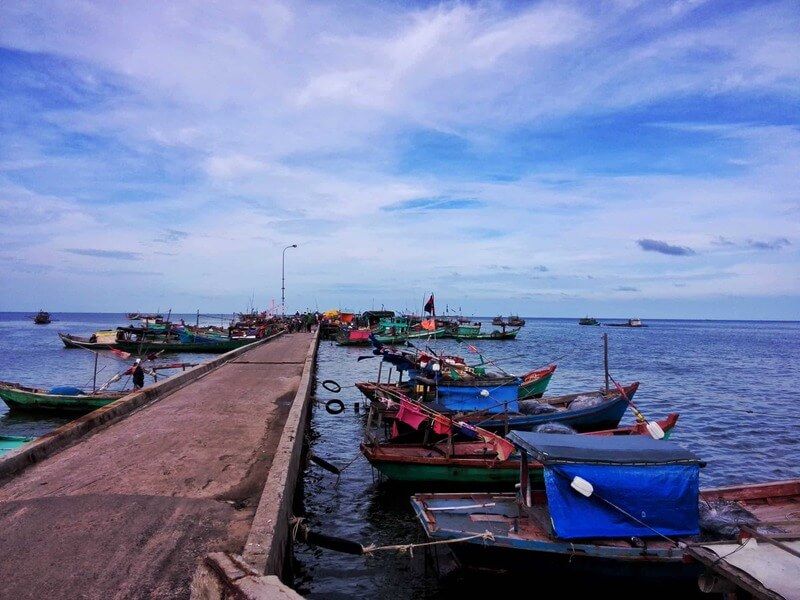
(476, 395)
(615, 450)
(627, 501)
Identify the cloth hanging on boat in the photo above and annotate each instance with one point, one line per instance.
(429, 324)
(442, 425)
(410, 414)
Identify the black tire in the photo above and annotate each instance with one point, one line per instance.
(331, 386)
(334, 406)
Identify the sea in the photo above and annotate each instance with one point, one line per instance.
(733, 383)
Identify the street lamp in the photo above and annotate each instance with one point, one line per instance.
(283, 280)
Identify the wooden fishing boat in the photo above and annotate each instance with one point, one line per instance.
(449, 457)
(12, 442)
(347, 336)
(483, 393)
(534, 383)
(497, 334)
(149, 346)
(456, 329)
(499, 321)
(42, 318)
(613, 508)
(588, 321)
(591, 410)
(63, 399)
(515, 321)
(99, 340)
(628, 323)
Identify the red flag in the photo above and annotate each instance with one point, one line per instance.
(120, 353)
(429, 307)
(428, 324)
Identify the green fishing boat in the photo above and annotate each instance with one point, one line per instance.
(64, 399)
(170, 346)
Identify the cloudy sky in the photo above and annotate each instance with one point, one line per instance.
(619, 158)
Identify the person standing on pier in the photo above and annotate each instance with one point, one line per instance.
(138, 375)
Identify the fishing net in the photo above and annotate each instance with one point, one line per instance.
(726, 517)
(554, 428)
(584, 402)
(534, 407)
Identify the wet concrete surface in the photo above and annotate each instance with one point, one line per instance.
(129, 511)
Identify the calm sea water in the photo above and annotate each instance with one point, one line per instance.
(733, 383)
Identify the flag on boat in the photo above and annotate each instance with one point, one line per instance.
(428, 324)
(429, 307)
(120, 353)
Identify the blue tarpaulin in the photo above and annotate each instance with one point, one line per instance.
(627, 501)
(642, 487)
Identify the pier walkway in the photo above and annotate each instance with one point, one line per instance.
(194, 471)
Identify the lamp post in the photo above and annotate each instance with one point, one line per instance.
(283, 279)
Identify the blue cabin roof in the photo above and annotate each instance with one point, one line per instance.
(555, 448)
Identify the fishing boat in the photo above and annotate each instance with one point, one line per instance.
(12, 442)
(483, 393)
(456, 329)
(532, 383)
(99, 340)
(348, 336)
(613, 508)
(150, 345)
(497, 334)
(498, 321)
(61, 399)
(42, 317)
(628, 323)
(591, 410)
(437, 452)
(515, 321)
(588, 321)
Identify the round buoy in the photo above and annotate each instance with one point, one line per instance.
(331, 386)
(334, 406)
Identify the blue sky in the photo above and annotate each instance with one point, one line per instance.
(555, 159)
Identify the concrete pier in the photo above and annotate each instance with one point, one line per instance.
(182, 490)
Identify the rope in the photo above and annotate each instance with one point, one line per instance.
(487, 535)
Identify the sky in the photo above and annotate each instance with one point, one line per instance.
(614, 158)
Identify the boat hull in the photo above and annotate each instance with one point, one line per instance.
(38, 400)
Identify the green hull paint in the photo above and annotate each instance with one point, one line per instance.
(220, 347)
(448, 474)
(41, 401)
(535, 389)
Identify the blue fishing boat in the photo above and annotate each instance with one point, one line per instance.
(486, 394)
(585, 411)
(622, 509)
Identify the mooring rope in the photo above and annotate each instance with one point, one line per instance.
(486, 535)
(297, 524)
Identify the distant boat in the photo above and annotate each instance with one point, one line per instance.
(515, 321)
(629, 323)
(499, 321)
(42, 318)
(588, 321)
